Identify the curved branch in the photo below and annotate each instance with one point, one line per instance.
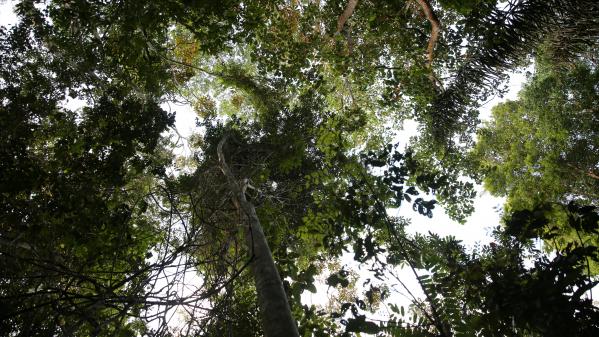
(435, 30)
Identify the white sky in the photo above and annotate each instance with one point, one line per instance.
(7, 16)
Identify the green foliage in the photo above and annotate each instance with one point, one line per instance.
(554, 124)
(73, 190)
(92, 218)
(234, 313)
(540, 149)
(559, 225)
(491, 291)
(498, 48)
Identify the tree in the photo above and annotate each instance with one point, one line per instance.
(276, 314)
(74, 233)
(525, 25)
(490, 292)
(554, 123)
(541, 148)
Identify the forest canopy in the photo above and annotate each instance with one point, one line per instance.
(294, 179)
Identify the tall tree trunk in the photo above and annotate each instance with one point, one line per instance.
(272, 300)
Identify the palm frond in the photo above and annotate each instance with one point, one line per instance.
(510, 36)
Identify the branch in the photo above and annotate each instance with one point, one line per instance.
(590, 173)
(349, 10)
(436, 28)
(14, 244)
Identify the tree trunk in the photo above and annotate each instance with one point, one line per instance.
(272, 300)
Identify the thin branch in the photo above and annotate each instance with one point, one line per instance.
(434, 316)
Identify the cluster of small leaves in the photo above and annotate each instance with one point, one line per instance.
(400, 169)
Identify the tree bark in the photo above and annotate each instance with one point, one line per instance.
(277, 320)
